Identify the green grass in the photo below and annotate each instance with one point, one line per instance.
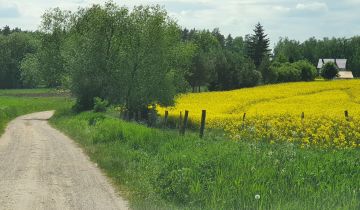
(25, 91)
(12, 105)
(160, 170)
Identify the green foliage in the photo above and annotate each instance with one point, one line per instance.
(291, 72)
(204, 60)
(132, 58)
(257, 45)
(248, 76)
(30, 74)
(287, 73)
(268, 73)
(55, 28)
(314, 49)
(100, 105)
(308, 71)
(164, 170)
(329, 70)
(288, 50)
(13, 48)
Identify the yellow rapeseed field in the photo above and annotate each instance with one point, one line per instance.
(273, 113)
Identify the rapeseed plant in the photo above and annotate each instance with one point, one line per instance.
(273, 113)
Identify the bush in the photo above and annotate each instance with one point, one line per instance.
(291, 72)
(100, 105)
(329, 70)
(288, 73)
(249, 78)
(308, 71)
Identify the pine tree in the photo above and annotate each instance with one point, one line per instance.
(257, 45)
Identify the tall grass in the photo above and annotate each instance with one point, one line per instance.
(160, 169)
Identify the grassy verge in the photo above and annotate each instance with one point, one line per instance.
(12, 105)
(160, 169)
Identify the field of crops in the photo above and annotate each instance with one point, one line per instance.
(273, 113)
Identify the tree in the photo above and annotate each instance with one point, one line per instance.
(54, 28)
(30, 74)
(268, 75)
(257, 45)
(133, 59)
(329, 70)
(290, 49)
(248, 75)
(202, 70)
(6, 31)
(308, 71)
(13, 48)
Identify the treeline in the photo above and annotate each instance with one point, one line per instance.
(14, 46)
(287, 50)
(139, 57)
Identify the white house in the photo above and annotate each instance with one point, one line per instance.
(341, 64)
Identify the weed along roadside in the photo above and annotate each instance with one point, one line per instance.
(161, 168)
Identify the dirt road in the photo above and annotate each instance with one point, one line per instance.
(40, 168)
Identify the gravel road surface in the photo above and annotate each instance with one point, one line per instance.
(41, 168)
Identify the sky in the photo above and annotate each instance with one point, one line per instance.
(296, 19)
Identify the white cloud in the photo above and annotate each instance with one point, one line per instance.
(314, 6)
(282, 8)
(298, 19)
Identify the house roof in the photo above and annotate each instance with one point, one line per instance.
(345, 75)
(341, 63)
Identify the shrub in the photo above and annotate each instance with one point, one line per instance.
(329, 70)
(288, 73)
(100, 105)
(271, 75)
(308, 71)
(249, 78)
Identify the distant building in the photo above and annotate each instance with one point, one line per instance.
(341, 64)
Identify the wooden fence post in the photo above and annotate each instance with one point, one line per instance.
(180, 122)
(183, 128)
(346, 115)
(166, 118)
(202, 127)
(244, 118)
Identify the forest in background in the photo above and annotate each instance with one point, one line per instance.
(140, 57)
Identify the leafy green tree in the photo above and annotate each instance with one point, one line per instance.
(290, 49)
(134, 59)
(248, 75)
(257, 45)
(6, 31)
(55, 26)
(267, 74)
(202, 70)
(308, 71)
(288, 73)
(13, 48)
(30, 74)
(310, 51)
(329, 70)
